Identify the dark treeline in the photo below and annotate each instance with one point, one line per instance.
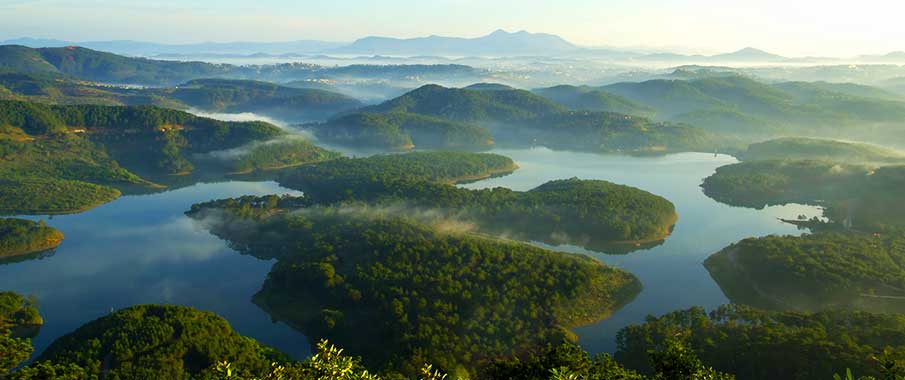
(754, 344)
(173, 342)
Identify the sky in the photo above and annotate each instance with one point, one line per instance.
(789, 27)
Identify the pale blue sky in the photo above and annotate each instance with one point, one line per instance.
(793, 27)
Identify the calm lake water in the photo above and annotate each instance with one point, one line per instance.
(142, 249)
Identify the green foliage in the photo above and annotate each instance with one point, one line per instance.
(761, 183)
(278, 154)
(111, 68)
(522, 118)
(589, 213)
(609, 132)
(675, 361)
(225, 95)
(394, 290)
(821, 149)
(755, 344)
(13, 351)
(467, 105)
(566, 361)
(814, 272)
(51, 196)
(586, 98)
(444, 167)
(865, 198)
(17, 310)
(19, 237)
(50, 371)
(157, 342)
(401, 131)
(740, 106)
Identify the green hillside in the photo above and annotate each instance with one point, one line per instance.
(801, 148)
(590, 99)
(402, 131)
(521, 118)
(740, 106)
(756, 345)
(339, 271)
(287, 103)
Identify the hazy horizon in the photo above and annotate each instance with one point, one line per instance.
(805, 28)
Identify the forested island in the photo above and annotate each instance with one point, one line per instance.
(594, 214)
(22, 237)
(393, 289)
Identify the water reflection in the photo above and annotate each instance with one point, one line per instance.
(141, 249)
(672, 273)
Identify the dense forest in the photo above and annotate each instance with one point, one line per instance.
(856, 196)
(756, 345)
(759, 184)
(439, 166)
(399, 291)
(212, 95)
(740, 106)
(801, 148)
(156, 341)
(58, 159)
(595, 214)
(273, 154)
(814, 272)
(402, 131)
(21, 237)
(521, 118)
(585, 98)
(284, 103)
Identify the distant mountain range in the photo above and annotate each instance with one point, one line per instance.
(497, 44)
(748, 54)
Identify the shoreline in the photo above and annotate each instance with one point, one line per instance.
(52, 244)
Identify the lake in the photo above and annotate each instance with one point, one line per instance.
(142, 249)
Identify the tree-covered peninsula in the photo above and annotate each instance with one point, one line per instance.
(594, 214)
(858, 196)
(815, 272)
(58, 159)
(803, 148)
(22, 237)
(393, 289)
